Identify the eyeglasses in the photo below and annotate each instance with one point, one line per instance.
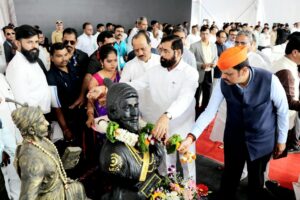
(12, 33)
(72, 42)
(240, 43)
(59, 22)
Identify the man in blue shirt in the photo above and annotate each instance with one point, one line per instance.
(120, 46)
(257, 119)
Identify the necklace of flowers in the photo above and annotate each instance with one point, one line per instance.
(114, 133)
(61, 171)
(143, 140)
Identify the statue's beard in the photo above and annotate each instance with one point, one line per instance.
(131, 125)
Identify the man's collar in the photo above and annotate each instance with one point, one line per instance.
(294, 64)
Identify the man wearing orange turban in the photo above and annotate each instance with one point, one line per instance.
(257, 115)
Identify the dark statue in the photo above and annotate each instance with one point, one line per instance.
(133, 174)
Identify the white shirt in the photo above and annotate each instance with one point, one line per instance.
(173, 92)
(28, 82)
(156, 41)
(191, 38)
(212, 38)
(278, 51)
(45, 57)
(133, 32)
(7, 108)
(256, 60)
(3, 63)
(129, 39)
(95, 36)
(189, 57)
(135, 69)
(286, 64)
(295, 30)
(86, 44)
(264, 40)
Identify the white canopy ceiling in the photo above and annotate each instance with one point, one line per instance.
(245, 11)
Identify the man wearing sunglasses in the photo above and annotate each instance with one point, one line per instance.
(8, 45)
(57, 34)
(78, 61)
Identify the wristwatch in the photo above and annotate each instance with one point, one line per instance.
(169, 116)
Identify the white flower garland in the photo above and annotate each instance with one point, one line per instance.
(121, 135)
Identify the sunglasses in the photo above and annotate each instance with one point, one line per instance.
(72, 42)
(10, 33)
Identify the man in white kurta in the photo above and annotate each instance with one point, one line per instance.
(86, 41)
(24, 75)
(172, 86)
(28, 83)
(137, 67)
(141, 24)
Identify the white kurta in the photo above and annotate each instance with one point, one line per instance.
(45, 57)
(9, 138)
(2, 56)
(172, 91)
(86, 44)
(133, 32)
(191, 38)
(28, 83)
(286, 64)
(135, 69)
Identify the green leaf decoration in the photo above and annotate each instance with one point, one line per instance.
(110, 132)
(173, 143)
(142, 143)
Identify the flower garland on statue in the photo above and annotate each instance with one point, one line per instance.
(114, 133)
(143, 140)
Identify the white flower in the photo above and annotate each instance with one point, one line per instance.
(126, 137)
(172, 196)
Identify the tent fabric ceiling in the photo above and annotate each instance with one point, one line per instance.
(246, 11)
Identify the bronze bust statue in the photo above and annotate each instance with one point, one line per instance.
(133, 173)
(37, 161)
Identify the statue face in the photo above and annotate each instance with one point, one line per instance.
(129, 114)
(42, 126)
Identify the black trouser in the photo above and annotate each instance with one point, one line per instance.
(3, 193)
(206, 88)
(293, 139)
(235, 157)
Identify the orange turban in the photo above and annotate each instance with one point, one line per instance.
(231, 57)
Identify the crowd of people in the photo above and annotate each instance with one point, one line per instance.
(181, 79)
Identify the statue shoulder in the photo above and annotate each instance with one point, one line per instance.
(31, 165)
